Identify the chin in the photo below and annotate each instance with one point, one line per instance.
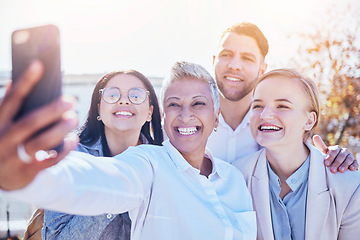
(266, 142)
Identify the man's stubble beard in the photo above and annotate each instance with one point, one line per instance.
(236, 95)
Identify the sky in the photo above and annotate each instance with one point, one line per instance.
(99, 36)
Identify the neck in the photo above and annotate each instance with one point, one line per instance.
(231, 117)
(284, 161)
(120, 141)
(199, 161)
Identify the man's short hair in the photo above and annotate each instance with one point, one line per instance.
(250, 30)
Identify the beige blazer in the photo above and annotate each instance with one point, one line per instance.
(333, 200)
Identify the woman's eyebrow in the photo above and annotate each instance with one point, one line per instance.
(283, 100)
(172, 98)
(199, 96)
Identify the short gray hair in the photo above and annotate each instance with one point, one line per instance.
(191, 70)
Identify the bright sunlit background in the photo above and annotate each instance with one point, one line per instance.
(149, 36)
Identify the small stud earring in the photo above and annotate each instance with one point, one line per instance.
(98, 118)
(215, 129)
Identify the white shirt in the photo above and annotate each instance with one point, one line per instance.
(230, 145)
(165, 196)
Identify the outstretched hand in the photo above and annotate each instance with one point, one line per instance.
(338, 159)
(14, 173)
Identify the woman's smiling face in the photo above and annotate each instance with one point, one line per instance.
(279, 112)
(189, 116)
(124, 115)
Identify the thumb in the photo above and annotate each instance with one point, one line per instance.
(319, 144)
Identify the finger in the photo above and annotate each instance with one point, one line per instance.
(16, 95)
(37, 120)
(354, 166)
(69, 145)
(319, 144)
(345, 165)
(54, 135)
(15, 174)
(336, 156)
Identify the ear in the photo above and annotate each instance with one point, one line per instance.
(312, 117)
(263, 68)
(216, 123)
(151, 109)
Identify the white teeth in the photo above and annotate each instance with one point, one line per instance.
(123, 113)
(274, 128)
(233, 79)
(187, 131)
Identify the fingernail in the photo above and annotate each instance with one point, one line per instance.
(42, 155)
(333, 169)
(342, 169)
(53, 154)
(65, 105)
(71, 118)
(69, 98)
(35, 66)
(327, 163)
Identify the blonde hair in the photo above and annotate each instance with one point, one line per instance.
(307, 85)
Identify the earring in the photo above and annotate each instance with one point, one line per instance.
(215, 129)
(149, 119)
(98, 118)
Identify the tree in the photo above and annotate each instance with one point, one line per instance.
(330, 54)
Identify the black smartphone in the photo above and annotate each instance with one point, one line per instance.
(40, 43)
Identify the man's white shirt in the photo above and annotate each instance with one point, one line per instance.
(229, 145)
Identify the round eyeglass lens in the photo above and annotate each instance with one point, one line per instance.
(111, 94)
(137, 95)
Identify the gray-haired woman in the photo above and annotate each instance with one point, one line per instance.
(174, 191)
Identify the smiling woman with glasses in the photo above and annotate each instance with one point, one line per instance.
(123, 108)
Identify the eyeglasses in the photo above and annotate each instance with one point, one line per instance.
(113, 94)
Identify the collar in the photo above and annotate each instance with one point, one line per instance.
(97, 146)
(295, 180)
(180, 162)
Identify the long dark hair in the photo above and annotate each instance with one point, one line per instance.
(93, 129)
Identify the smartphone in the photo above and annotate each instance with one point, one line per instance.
(40, 43)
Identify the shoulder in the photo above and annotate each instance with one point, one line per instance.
(93, 149)
(344, 188)
(345, 183)
(224, 166)
(229, 173)
(248, 163)
(341, 184)
(147, 149)
(144, 152)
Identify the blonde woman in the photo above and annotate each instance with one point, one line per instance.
(295, 195)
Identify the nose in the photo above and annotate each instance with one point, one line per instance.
(267, 114)
(235, 63)
(123, 99)
(186, 114)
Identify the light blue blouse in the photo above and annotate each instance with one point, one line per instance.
(288, 214)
